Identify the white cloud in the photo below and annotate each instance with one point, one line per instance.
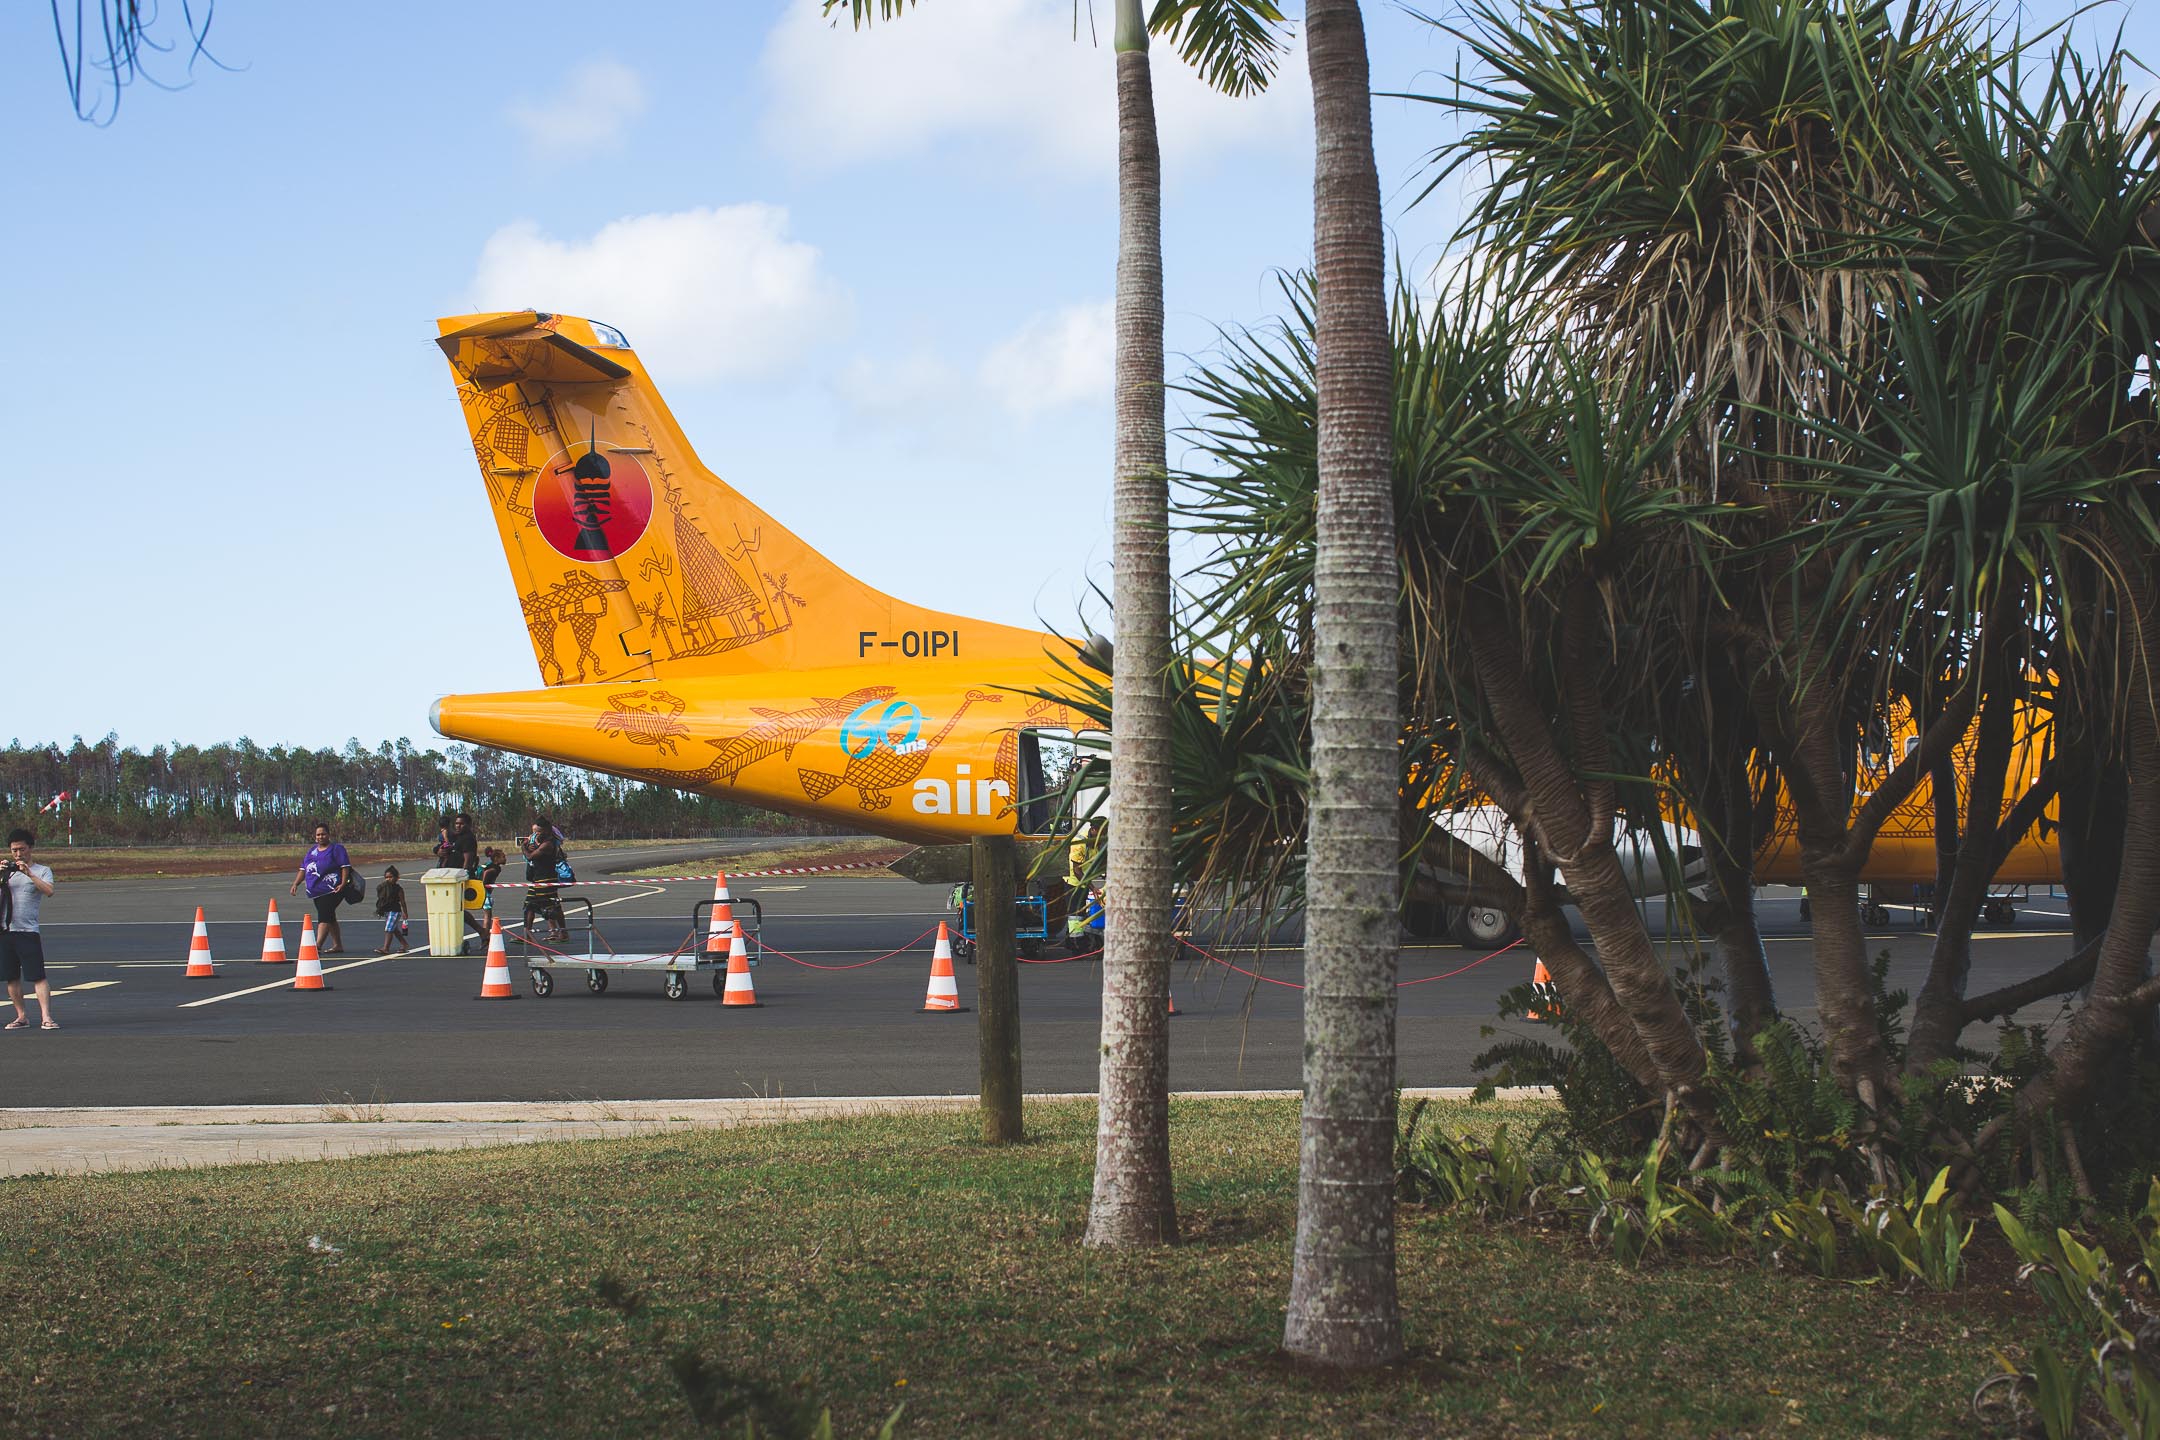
(1054, 360)
(589, 111)
(1013, 71)
(719, 294)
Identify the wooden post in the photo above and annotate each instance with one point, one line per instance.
(997, 987)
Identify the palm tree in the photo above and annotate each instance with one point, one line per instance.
(1343, 1308)
(1235, 44)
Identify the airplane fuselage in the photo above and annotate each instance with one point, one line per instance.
(929, 751)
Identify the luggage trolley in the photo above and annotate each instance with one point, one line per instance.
(600, 959)
(1031, 926)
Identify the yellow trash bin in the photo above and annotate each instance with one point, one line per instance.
(445, 910)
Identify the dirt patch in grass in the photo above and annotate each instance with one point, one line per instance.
(607, 1287)
(778, 854)
(135, 862)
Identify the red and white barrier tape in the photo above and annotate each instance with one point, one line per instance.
(700, 879)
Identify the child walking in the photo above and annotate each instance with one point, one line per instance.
(390, 904)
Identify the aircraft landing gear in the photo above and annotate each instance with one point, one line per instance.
(1483, 927)
(1999, 912)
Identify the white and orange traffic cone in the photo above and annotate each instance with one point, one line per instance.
(309, 975)
(274, 939)
(723, 917)
(944, 994)
(739, 990)
(1547, 1004)
(199, 964)
(495, 980)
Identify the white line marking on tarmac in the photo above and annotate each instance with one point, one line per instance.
(182, 925)
(86, 985)
(286, 983)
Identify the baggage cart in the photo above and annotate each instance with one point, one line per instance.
(600, 960)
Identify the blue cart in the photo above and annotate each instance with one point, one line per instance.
(1031, 925)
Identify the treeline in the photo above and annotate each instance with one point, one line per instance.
(239, 791)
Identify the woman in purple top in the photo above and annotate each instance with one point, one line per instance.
(324, 872)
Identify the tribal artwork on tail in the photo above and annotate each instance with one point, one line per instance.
(645, 717)
(777, 734)
(885, 764)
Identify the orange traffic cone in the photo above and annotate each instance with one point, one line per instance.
(199, 964)
(274, 939)
(944, 989)
(1546, 1005)
(309, 974)
(739, 990)
(1173, 1003)
(495, 980)
(723, 918)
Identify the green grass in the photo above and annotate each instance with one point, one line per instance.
(889, 1259)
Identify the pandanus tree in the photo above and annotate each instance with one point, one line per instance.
(1544, 530)
(1679, 179)
(2033, 213)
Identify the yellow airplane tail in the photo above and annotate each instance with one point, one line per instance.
(631, 559)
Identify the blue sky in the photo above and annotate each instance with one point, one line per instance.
(871, 272)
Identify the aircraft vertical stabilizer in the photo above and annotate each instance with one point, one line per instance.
(631, 559)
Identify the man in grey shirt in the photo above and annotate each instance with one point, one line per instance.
(24, 884)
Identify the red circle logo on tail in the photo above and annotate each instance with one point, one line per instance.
(591, 505)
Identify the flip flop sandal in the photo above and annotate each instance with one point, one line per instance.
(20, 1022)
(50, 1025)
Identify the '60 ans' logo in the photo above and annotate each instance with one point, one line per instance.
(896, 725)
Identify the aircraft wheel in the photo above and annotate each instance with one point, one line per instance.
(676, 988)
(1875, 915)
(1483, 927)
(1999, 912)
(596, 981)
(543, 983)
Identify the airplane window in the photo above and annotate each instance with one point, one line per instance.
(608, 335)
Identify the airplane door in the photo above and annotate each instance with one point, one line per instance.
(1035, 798)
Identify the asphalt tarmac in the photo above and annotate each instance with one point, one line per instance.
(834, 1020)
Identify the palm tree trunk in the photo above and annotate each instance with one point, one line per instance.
(1939, 1011)
(1343, 1308)
(1133, 1204)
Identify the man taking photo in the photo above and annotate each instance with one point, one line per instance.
(24, 884)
